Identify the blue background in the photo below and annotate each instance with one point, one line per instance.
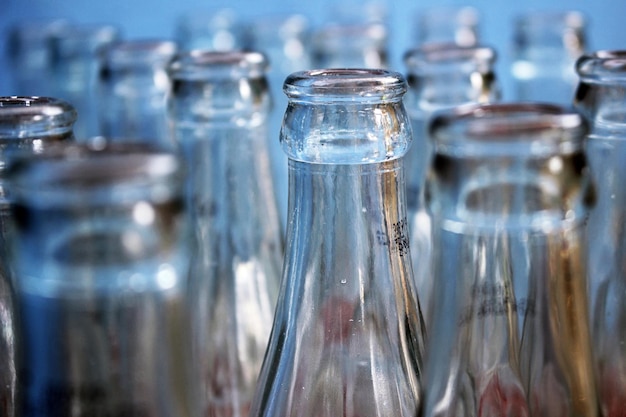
(157, 18)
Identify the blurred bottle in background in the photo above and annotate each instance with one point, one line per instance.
(219, 30)
(285, 41)
(29, 49)
(458, 25)
(510, 193)
(219, 107)
(74, 65)
(27, 125)
(545, 48)
(132, 88)
(601, 96)
(440, 76)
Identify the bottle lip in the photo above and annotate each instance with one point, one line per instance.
(509, 128)
(25, 113)
(345, 84)
(122, 54)
(602, 64)
(64, 166)
(198, 64)
(432, 55)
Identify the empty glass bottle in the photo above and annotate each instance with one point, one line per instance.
(219, 107)
(546, 46)
(27, 125)
(132, 88)
(101, 268)
(74, 68)
(347, 338)
(440, 76)
(216, 30)
(601, 96)
(509, 194)
(458, 25)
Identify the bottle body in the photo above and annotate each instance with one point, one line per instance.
(440, 76)
(101, 260)
(509, 333)
(219, 108)
(132, 87)
(347, 338)
(601, 96)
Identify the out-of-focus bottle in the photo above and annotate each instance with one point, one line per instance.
(218, 30)
(27, 125)
(458, 25)
(440, 76)
(101, 268)
(29, 55)
(132, 88)
(545, 48)
(74, 66)
(284, 39)
(219, 107)
(601, 96)
(509, 195)
(347, 337)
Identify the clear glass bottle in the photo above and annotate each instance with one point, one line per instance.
(29, 55)
(100, 259)
(74, 68)
(545, 48)
(219, 107)
(218, 30)
(27, 125)
(132, 87)
(601, 96)
(284, 40)
(509, 194)
(459, 25)
(440, 76)
(347, 338)
(350, 45)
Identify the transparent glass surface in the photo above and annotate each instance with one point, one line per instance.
(27, 125)
(458, 25)
(74, 67)
(440, 76)
(601, 96)
(509, 194)
(219, 107)
(132, 87)
(545, 48)
(216, 30)
(347, 339)
(100, 258)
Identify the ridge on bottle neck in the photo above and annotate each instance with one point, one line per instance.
(345, 116)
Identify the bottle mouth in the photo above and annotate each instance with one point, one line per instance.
(198, 64)
(604, 64)
(508, 129)
(432, 57)
(345, 84)
(24, 117)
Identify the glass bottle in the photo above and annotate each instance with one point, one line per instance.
(347, 339)
(546, 46)
(218, 107)
(601, 96)
(27, 125)
(459, 25)
(440, 76)
(29, 54)
(284, 40)
(74, 66)
(132, 87)
(216, 30)
(509, 194)
(101, 272)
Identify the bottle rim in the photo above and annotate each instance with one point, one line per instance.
(602, 64)
(27, 113)
(432, 55)
(198, 64)
(509, 128)
(345, 84)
